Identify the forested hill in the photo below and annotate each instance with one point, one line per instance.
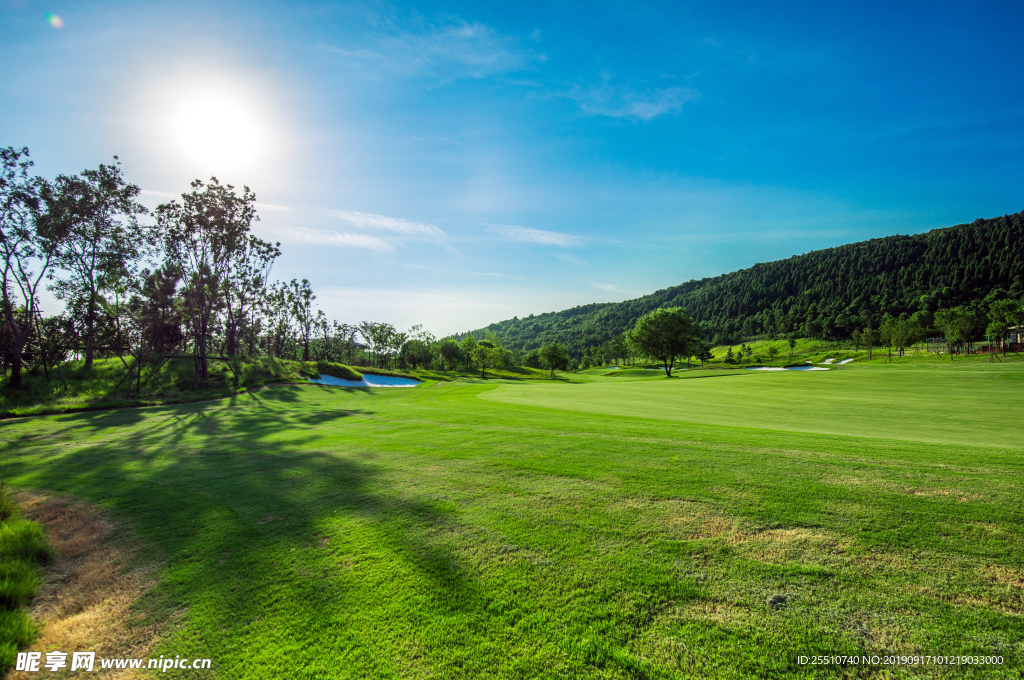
(824, 293)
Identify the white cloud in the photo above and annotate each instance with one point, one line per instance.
(446, 47)
(331, 238)
(395, 224)
(156, 194)
(528, 235)
(273, 208)
(618, 101)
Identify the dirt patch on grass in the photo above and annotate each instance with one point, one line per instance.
(87, 592)
(1004, 576)
(718, 612)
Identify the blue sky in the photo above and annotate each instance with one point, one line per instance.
(454, 164)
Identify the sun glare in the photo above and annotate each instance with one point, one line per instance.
(217, 132)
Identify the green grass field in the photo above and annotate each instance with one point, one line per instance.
(715, 525)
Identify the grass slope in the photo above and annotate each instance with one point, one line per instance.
(320, 532)
(173, 382)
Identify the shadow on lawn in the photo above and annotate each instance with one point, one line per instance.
(242, 480)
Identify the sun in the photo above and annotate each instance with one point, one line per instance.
(218, 132)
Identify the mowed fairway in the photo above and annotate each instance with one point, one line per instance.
(687, 528)
(933, 402)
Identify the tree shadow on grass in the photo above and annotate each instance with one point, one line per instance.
(232, 495)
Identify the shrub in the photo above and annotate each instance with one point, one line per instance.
(338, 371)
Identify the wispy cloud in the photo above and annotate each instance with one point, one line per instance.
(273, 208)
(332, 238)
(156, 194)
(395, 224)
(528, 235)
(620, 101)
(444, 47)
(570, 258)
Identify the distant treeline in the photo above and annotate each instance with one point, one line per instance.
(825, 294)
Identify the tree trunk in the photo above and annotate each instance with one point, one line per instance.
(231, 340)
(16, 368)
(90, 332)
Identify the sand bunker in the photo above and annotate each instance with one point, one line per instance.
(367, 381)
(844, 361)
(827, 361)
(788, 368)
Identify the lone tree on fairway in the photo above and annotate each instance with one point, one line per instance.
(487, 354)
(554, 356)
(666, 334)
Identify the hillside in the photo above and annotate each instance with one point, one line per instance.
(825, 293)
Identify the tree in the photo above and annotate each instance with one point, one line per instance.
(245, 286)
(620, 345)
(486, 354)
(959, 326)
(301, 296)
(449, 353)
(202, 237)
(773, 352)
(869, 337)
(103, 241)
(467, 348)
(704, 353)
(792, 346)
(553, 356)
(156, 311)
(1001, 315)
(419, 348)
(665, 334)
(30, 243)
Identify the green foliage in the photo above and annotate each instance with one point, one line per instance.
(172, 382)
(23, 550)
(665, 335)
(554, 357)
(825, 293)
(338, 370)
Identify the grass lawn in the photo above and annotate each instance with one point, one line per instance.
(705, 526)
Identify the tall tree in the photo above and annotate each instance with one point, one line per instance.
(301, 295)
(245, 285)
(104, 238)
(202, 237)
(30, 243)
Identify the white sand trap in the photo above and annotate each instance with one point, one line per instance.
(827, 361)
(367, 381)
(844, 361)
(788, 368)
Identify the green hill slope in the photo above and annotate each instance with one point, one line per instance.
(824, 293)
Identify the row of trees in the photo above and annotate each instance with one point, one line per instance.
(188, 279)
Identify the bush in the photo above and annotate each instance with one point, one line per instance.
(338, 371)
(22, 549)
(21, 539)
